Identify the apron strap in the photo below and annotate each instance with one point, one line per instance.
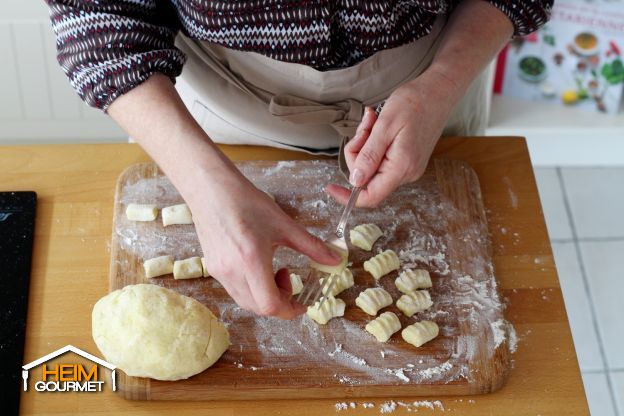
(344, 116)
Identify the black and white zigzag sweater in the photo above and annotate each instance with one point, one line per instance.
(107, 47)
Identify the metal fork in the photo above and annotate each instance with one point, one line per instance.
(312, 288)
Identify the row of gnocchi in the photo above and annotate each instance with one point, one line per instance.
(190, 268)
(173, 215)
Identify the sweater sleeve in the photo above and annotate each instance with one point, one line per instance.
(526, 15)
(108, 47)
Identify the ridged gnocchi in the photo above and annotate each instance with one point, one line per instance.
(410, 280)
(296, 283)
(337, 269)
(365, 235)
(382, 264)
(413, 302)
(373, 299)
(420, 333)
(384, 326)
(343, 281)
(331, 308)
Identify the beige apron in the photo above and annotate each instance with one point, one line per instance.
(246, 98)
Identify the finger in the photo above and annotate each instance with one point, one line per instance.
(268, 298)
(362, 132)
(339, 193)
(282, 279)
(299, 239)
(370, 156)
(380, 186)
(361, 136)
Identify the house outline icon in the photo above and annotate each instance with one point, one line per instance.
(26, 368)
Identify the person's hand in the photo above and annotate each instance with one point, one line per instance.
(239, 228)
(394, 148)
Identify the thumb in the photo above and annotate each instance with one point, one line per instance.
(299, 239)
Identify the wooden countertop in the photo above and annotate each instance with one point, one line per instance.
(76, 184)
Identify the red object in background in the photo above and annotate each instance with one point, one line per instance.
(532, 37)
(613, 48)
(501, 61)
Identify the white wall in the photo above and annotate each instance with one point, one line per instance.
(37, 104)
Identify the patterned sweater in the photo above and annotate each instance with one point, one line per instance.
(108, 47)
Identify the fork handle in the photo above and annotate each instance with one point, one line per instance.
(355, 192)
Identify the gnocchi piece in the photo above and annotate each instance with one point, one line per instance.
(188, 268)
(384, 326)
(141, 212)
(420, 333)
(373, 299)
(204, 271)
(331, 308)
(410, 280)
(413, 302)
(177, 214)
(365, 235)
(382, 264)
(337, 269)
(158, 266)
(296, 283)
(343, 282)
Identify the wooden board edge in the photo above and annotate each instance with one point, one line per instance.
(134, 388)
(497, 366)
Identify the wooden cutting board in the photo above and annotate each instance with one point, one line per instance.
(437, 223)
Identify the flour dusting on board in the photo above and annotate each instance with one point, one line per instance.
(415, 224)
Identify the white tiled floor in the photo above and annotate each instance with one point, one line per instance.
(553, 204)
(578, 307)
(598, 396)
(596, 201)
(583, 209)
(618, 387)
(603, 264)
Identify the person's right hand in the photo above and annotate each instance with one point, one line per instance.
(239, 228)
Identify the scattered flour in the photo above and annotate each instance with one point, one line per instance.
(433, 371)
(498, 332)
(388, 407)
(399, 374)
(279, 166)
(513, 339)
(346, 380)
(341, 406)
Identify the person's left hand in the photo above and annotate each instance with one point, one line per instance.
(394, 148)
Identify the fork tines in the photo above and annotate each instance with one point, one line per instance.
(312, 289)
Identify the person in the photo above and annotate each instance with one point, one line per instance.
(296, 74)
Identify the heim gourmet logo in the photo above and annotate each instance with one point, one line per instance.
(68, 377)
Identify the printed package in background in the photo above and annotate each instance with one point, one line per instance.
(576, 59)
